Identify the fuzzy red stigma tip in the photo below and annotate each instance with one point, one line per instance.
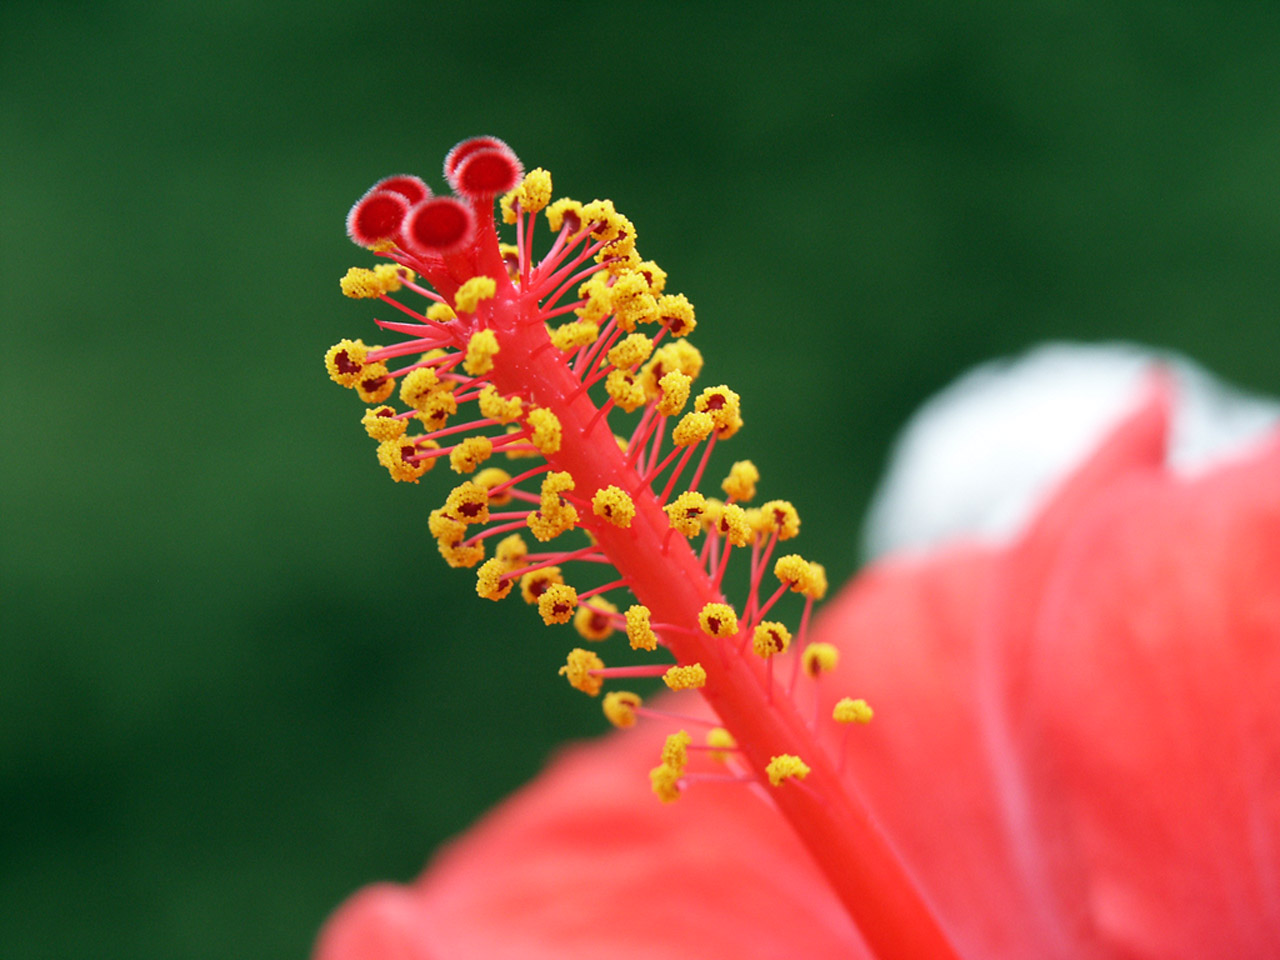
(376, 216)
(439, 225)
(410, 187)
(464, 149)
(486, 173)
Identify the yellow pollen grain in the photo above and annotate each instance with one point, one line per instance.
(595, 621)
(578, 671)
(632, 302)
(633, 349)
(770, 639)
(685, 512)
(563, 207)
(654, 275)
(724, 406)
(545, 430)
(446, 527)
(533, 585)
(795, 570)
(675, 392)
(675, 751)
(557, 603)
(361, 284)
(489, 582)
(741, 482)
(675, 313)
(437, 409)
(620, 708)
(626, 391)
(780, 517)
(496, 407)
(639, 630)
(665, 782)
(692, 428)
(691, 677)
(375, 383)
(819, 658)
(491, 477)
(440, 313)
(723, 739)
(512, 551)
(345, 361)
(395, 454)
(418, 386)
(784, 767)
(598, 296)
(575, 334)
(614, 505)
(718, 620)
(381, 423)
(849, 710)
(481, 349)
(468, 502)
(472, 292)
(734, 526)
(457, 555)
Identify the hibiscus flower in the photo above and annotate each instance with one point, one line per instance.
(1076, 752)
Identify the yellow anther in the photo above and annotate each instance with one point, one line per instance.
(675, 751)
(675, 313)
(796, 571)
(734, 526)
(781, 517)
(685, 678)
(548, 526)
(578, 671)
(375, 383)
(557, 603)
(639, 630)
(562, 208)
(470, 453)
(446, 528)
(481, 349)
(723, 739)
(595, 621)
(381, 423)
(632, 302)
(440, 313)
(395, 454)
(625, 389)
(545, 430)
(510, 254)
(770, 638)
(785, 766)
(417, 386)
(575, 334)
(692, 428)
(468, 502)
(741, 482)
(675, 392)
(819, 658)
(605, 222)
(718, 620)
(458, 555)
(533, 585)
(361, 284)
(725, 408)
(512, 551)
(756, 520)
(817, 588)
(632, 350)
(472, 292)
(496, 407)
(685, 512)
(849, 710)
(621, 257)
(665, 782)
(598, 296)
(615, 505)
(554, 484)
(345, 361)
(620, 707)
(654, 275)
(437, 409)
(712, 514)
(489, 582)
(533, 193)
(491, 477)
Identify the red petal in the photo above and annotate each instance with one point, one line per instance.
(587, 863)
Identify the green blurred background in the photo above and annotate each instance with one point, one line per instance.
(237, 682)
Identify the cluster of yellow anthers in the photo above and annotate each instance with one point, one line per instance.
(546, 350)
